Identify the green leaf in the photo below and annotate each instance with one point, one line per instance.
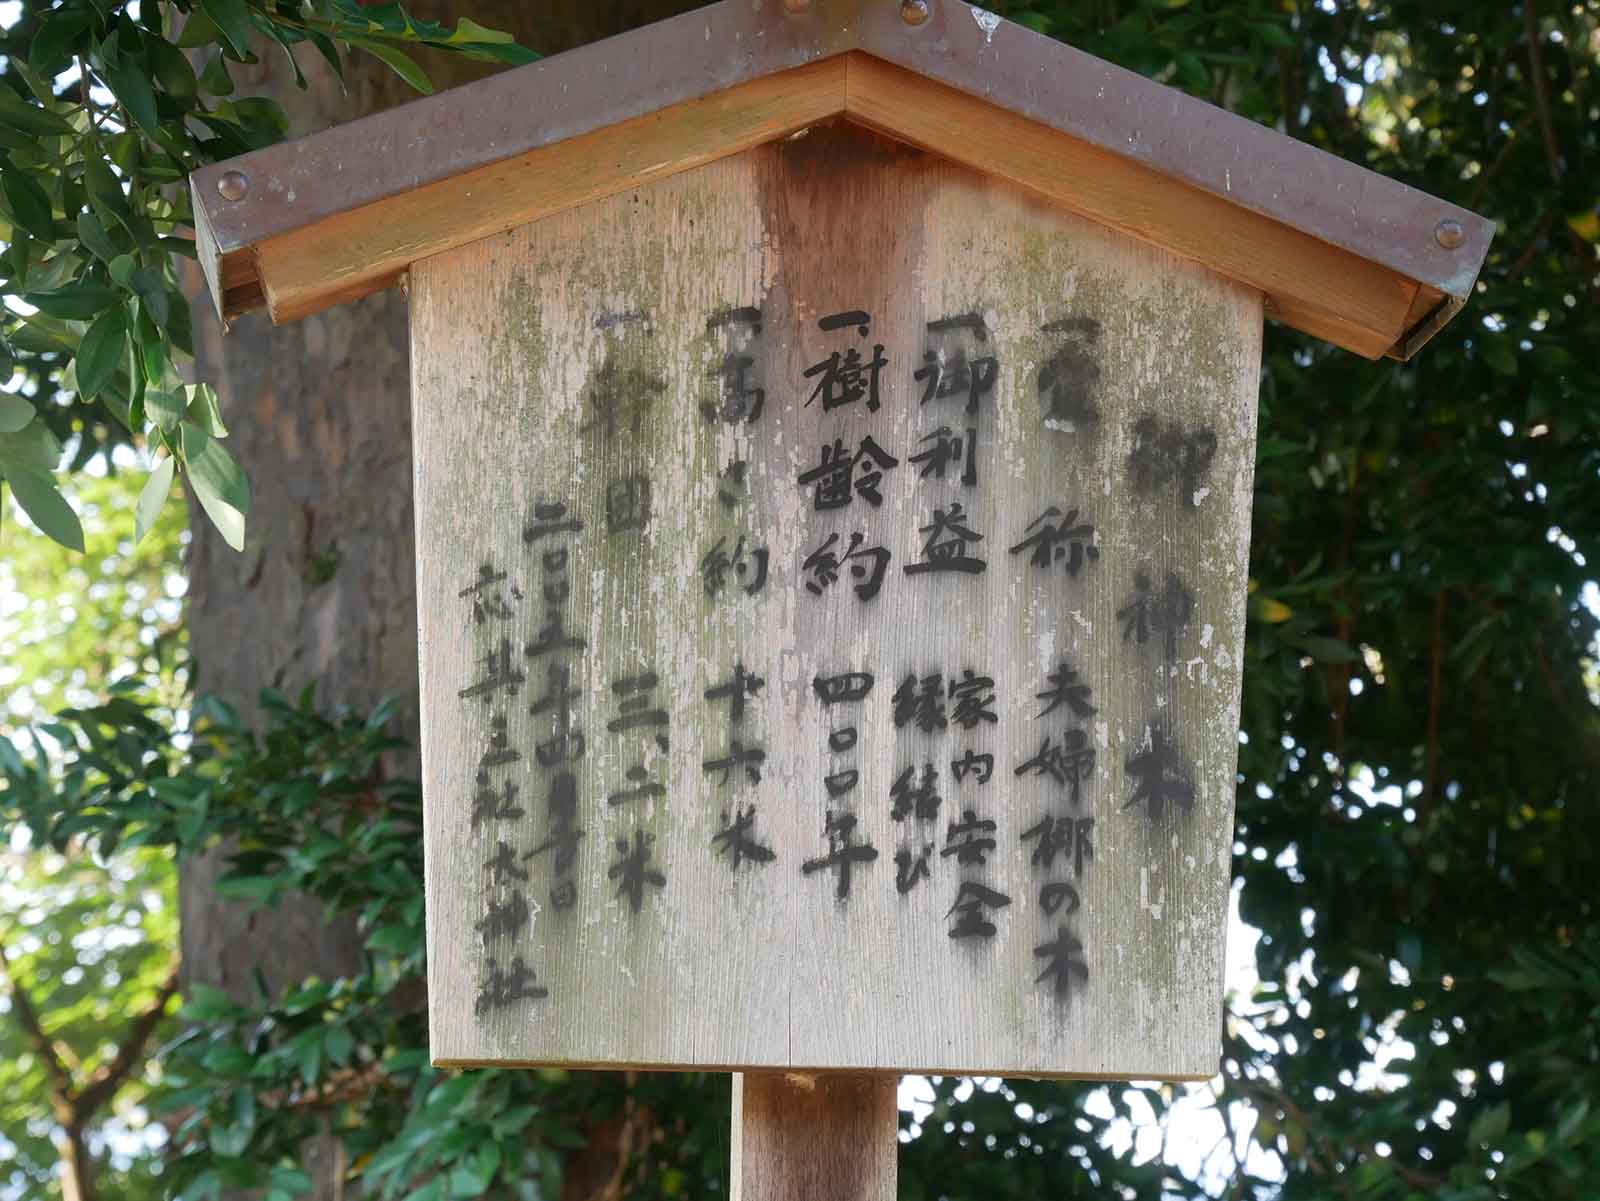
(52, 45)
(1328, 650)
(400, 63)
(215, 80)
(172, 69)
(101, 351)
(307, 1048)
(393, 940)
(76, 302)
(152, 350)
(468, 30)
(198, 30)
(165, 406)
(29, 203)
(129, 81)
(92, 234)
(204, 412)
(45, 506)
(33, 448)
(153, 497)
(1490, 1125)
(106, 194)
(232, 18)
(338, 1044)
(15, 412)
(1500, 355)
(16, 113)
(218, 483)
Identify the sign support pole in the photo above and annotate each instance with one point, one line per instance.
(803, 1136)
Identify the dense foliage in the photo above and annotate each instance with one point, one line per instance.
(105, 108)
(1421, 737)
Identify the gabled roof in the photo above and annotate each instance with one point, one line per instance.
(1339, 251)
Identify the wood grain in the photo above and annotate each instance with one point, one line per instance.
(766, 966)
(806, 1137)
(1309, 284)
(356, 253)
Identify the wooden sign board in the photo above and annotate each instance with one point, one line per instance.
(831, 572)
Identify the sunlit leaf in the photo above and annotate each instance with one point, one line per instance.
(153, 496)
(45, 506)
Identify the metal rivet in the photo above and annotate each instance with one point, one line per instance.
(1449, 234)
(797, 6)
(914, 12)
(233, 185)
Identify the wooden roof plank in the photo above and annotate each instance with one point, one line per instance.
(352, 254)
(1339, 251)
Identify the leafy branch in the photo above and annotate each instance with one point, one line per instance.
(103, 116)
(75, 1104)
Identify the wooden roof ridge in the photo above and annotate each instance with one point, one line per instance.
(1338, 250)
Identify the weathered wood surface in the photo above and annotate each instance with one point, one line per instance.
(1338, 251)
(830, 1136)
(1311, 285)
(1137, 409)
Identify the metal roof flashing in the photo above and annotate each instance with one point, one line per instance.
(309, 223)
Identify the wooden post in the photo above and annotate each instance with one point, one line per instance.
(823, 1136)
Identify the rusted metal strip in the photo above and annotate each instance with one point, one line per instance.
(299, 184)
(1187, 139)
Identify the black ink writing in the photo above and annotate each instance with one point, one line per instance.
(948, 540)
(633, 871)
(1058, 896)
(1069, 762)
(564, 835)
(627, 504)
(741, 398)
(969, 840)
(1064, 962)
(972, 900)
(1162, 454)
(1165, 612)
(1162, 781)
(1069, 378)
(504, 918)
(550, 518)
(738, 755)
(737, 839)
(1062, 688)
(836, 690)
(949, 448)
(972, 696)
(844, 853)
(914, 796)
(909, 868)
(618, 393)
(498, 675)
(1069, 542)
(981, 766)
(867, 565)
(947, 369)
(1068, 837)
(505, 985)
(845, 379)
(749, 566)
(488, 600)
(735, 690)
(835, 480)
(920, 702)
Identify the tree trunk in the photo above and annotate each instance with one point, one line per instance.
(77, 1165)
(324, 592)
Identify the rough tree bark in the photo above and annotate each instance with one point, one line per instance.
(320, 417)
